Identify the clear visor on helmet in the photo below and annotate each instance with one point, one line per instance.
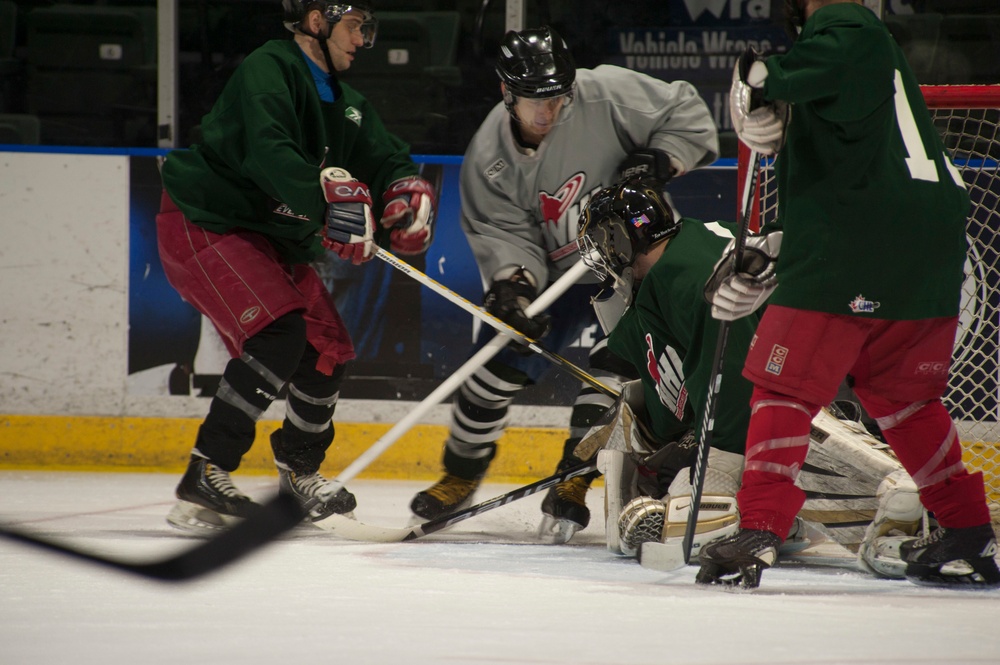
(543, 112)
(368, 26)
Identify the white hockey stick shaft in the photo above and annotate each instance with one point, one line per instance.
(453, 382)
(497, 324)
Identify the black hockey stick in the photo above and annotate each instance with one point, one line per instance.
(350, 529)
(272, 519)
(715, 383)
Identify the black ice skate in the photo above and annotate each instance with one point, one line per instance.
(318, 496)
(208, 500)
(449, 494)
(565, 510)
(953, 557)
(739, 559)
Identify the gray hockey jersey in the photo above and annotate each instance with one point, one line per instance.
(523, 209)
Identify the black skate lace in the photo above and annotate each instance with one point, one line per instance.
(933, 537)
(574, 489)
(220, 480)
(452, 489)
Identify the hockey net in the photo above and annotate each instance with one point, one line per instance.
(969, 120)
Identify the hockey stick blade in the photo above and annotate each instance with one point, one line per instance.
(351, 529)
(664, 557)
(270, 521)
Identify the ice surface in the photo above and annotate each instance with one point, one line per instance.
(482, 592)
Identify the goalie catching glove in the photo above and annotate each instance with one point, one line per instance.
(409, 213)
(508, 298)
(759, 124)
(734, 294)
(350, 228)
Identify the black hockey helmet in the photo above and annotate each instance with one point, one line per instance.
(536, 63)
(623, 221)
(296, 10)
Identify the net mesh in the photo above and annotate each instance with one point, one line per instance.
(969, 120)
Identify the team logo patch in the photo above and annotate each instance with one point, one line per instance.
(932, 368)
(249, 314)
(353, 115)
(861, 305)
(494, 169)
(777, 360)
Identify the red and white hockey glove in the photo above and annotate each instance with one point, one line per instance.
(409, 212)
(350, 227)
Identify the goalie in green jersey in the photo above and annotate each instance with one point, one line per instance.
(655, 268)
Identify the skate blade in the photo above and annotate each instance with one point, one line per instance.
(981, 574)
(192, 518)
(554, 531)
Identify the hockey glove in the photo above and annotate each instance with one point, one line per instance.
(759, 124)
(350, 227)
(409, 212)
(507, 299)
(648, 162)
(734, 294)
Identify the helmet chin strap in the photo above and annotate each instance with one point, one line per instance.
(324, 47)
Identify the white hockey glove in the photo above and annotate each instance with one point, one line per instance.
(409, 212)
(734, 294)
(350, 228)
(759, 124)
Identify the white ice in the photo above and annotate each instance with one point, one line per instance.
(484, 592)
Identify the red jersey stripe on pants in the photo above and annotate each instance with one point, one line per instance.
(796, 363)
(240, 283)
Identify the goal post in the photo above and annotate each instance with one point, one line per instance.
(968, 117)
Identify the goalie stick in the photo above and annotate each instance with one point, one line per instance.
(270, 521)
(671, 556)
(350, 529)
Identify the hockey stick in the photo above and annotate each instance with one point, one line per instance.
(457, 378)
(496, 323)
(266, 524)
(350, 529)
(665, 556)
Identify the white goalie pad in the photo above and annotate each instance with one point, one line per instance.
(899, 517)
(842, 474)
(645, 519)
(620, 429)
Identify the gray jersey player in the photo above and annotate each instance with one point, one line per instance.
(560, 135)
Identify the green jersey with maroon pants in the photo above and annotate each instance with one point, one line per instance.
(869, 272)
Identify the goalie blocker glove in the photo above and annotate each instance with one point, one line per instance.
(507, 300)
(733, 294)
(409, 213)
(759, 124)
(350, 228)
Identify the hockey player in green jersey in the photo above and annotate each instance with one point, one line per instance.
(284, 170)
(866, 285)
(655, 266)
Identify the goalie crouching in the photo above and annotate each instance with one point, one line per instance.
(655, 266)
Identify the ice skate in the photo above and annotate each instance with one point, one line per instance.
(208, 500)
(565, 510)
(738, 560)
(953, 557)
(317, 495)
(449, 494)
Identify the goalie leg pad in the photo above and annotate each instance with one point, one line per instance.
(718, 518)
(620, 483)
(898, 518)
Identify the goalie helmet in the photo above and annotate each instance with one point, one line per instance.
(622, 222)
(536, 64)
(296, 10)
